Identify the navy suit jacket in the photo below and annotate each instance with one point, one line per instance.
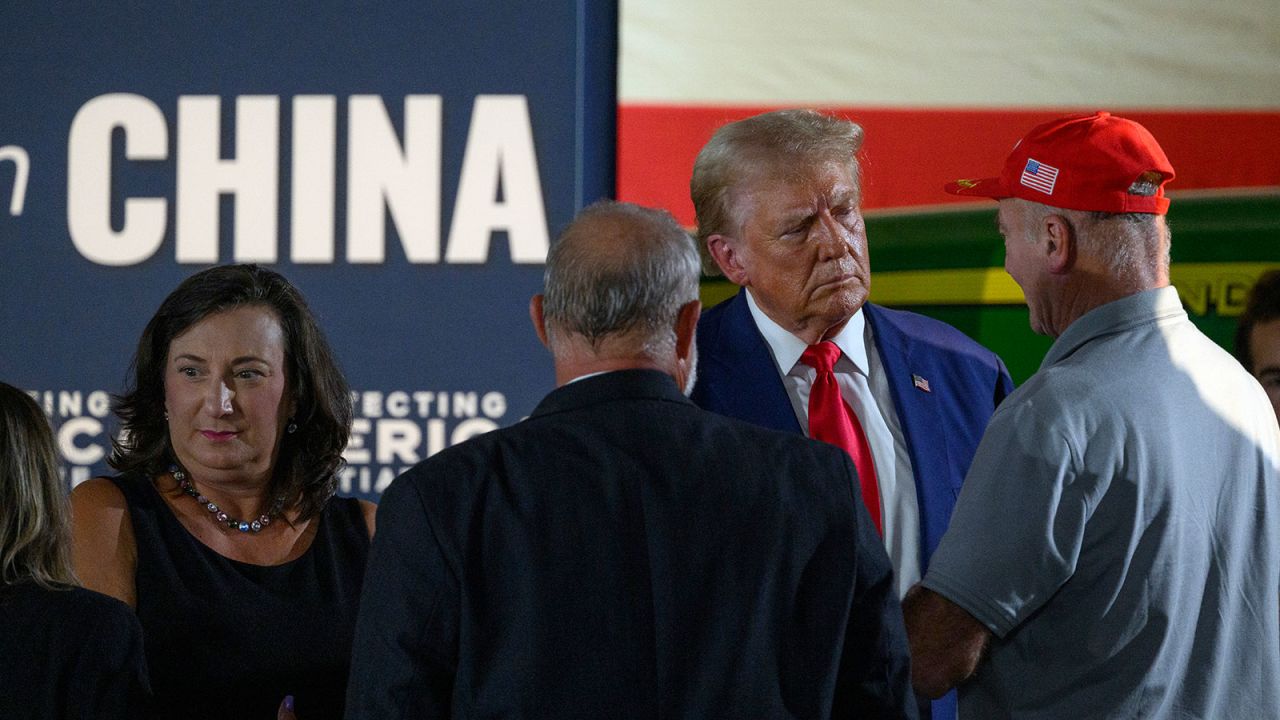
(622, 553)
(737, 377)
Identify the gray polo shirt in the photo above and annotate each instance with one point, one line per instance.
(1119, 530)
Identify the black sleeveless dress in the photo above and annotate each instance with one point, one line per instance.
(227, 639)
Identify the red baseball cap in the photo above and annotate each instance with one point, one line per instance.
(1097, 162)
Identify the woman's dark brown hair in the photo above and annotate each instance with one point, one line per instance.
(308, 460)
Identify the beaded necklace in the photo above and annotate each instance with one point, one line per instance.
(217, 515)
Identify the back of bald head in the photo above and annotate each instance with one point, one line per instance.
(616, 279)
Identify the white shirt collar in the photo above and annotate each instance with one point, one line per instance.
(588, 375)
(787, 348)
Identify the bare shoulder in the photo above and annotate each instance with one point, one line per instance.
(97, 494)
(98, 507)
(103, 547)
(370, 511)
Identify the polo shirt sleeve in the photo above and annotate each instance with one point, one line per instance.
(1019, 522)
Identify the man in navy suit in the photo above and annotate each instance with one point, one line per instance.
(778, 206)
(622, 553)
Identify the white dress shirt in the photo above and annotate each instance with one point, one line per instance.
(863, 385)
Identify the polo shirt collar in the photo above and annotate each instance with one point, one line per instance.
(1116, 316)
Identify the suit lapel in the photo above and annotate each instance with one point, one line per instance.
(753, 390)
(922, 427)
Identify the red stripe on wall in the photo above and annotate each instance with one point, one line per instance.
(910, 153)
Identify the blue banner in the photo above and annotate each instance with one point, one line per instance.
(404, 164)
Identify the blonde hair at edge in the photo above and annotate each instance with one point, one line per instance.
(1134, 246)
(35, 534)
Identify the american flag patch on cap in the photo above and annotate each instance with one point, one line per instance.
(1038, 176)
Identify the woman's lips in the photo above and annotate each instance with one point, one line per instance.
(218, 435)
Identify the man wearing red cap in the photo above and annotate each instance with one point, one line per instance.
(1115, 551)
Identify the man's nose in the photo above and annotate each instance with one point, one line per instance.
(832, 237)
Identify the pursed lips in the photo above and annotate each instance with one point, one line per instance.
(838, 280)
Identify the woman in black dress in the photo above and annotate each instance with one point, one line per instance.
(223, 530)
(65, 652)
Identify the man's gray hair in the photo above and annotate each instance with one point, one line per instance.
(620, 271)
(1133, 246)
(774, 140)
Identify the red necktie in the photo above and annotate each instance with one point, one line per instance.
(832, 420)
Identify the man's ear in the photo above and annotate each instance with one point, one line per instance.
(724, 250)
(535, 314)
(687, 328)
(1060, 248)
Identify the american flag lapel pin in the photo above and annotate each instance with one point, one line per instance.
(920, 383)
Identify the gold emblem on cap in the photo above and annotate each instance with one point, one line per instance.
(966, 184)
(1147, 184)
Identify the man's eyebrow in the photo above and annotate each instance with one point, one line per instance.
(845, 195)
(790, 217)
